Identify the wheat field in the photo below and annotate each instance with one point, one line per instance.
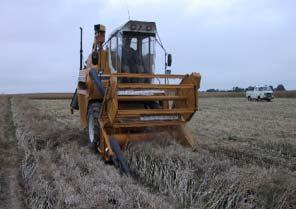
(244, 157)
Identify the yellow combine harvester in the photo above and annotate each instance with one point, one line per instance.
(121, 99)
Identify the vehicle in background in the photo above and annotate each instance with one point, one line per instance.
(260, 93)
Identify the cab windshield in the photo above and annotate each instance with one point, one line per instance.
(137, 54)
(132, 53)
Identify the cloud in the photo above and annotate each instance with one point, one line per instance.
(201, 6)
(228, 41)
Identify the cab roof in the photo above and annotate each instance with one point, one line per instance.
(136, 26)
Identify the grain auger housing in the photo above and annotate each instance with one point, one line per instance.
(120, 97)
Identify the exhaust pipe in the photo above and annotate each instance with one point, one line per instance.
(98, 83)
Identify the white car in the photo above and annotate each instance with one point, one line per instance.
(260, 93)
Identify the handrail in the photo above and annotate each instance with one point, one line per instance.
(142, 75)
(153, 86)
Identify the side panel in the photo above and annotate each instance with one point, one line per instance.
(103, 62)
(112, 103)
(191, 94)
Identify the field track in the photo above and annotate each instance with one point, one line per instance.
(10, 160)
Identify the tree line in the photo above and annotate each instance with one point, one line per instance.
(280, 87)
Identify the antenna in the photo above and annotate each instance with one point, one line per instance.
(127, 8)
(128, 13)
(81, 49)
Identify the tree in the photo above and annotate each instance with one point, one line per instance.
(250, 88)
(212, 90)
(280, 87)
(238, 89)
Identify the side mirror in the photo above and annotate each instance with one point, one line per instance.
(169, 61)
(95, 58)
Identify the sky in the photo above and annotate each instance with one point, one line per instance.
(230, 42)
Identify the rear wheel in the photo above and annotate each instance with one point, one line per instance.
(118, 160)
(93, 124)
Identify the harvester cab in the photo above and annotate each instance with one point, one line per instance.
(120, 97)
(132, 49)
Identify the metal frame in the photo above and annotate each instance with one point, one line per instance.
(124, 124)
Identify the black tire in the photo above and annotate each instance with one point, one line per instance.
(249, 98)
(93, 128)
(119, 161)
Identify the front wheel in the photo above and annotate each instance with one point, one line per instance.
(93, 124)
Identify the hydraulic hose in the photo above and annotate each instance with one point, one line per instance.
(98, 83)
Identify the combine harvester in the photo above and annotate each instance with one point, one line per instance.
(121, 99)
